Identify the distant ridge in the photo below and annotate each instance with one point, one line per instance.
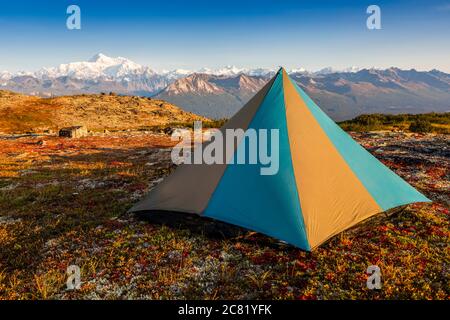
(219, 93)
(342, 95)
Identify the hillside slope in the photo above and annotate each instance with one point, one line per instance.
(21, 113)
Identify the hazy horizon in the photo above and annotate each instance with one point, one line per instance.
(214, 68)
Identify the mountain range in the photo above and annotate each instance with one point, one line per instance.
(219, 93)
(342, 95)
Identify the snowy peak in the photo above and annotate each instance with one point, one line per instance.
(176, 74)
(329, 70)
(102, 58)
(261, 72)
(227, 71)
(230, 71)
(298, 70)
(5, 75)
(99, 66)
(103, 67)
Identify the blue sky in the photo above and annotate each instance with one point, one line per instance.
(193, 34)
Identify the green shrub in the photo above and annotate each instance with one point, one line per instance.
(428, 122)
(420, 126)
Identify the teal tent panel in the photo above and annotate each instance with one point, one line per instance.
(265, 203)
(386, 187)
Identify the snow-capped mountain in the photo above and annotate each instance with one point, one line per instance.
(261, 72)
(230, 71)
(173, 75)
(104, 73)
(221, 92)
(122, 72)
(329, 70)
(103, 66)
(298, 70)
(99, 74)
(99, 66)
(226, 71)
(5, 75)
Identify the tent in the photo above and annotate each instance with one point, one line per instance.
(326, 182)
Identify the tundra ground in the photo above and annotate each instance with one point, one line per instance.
(64, 202)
